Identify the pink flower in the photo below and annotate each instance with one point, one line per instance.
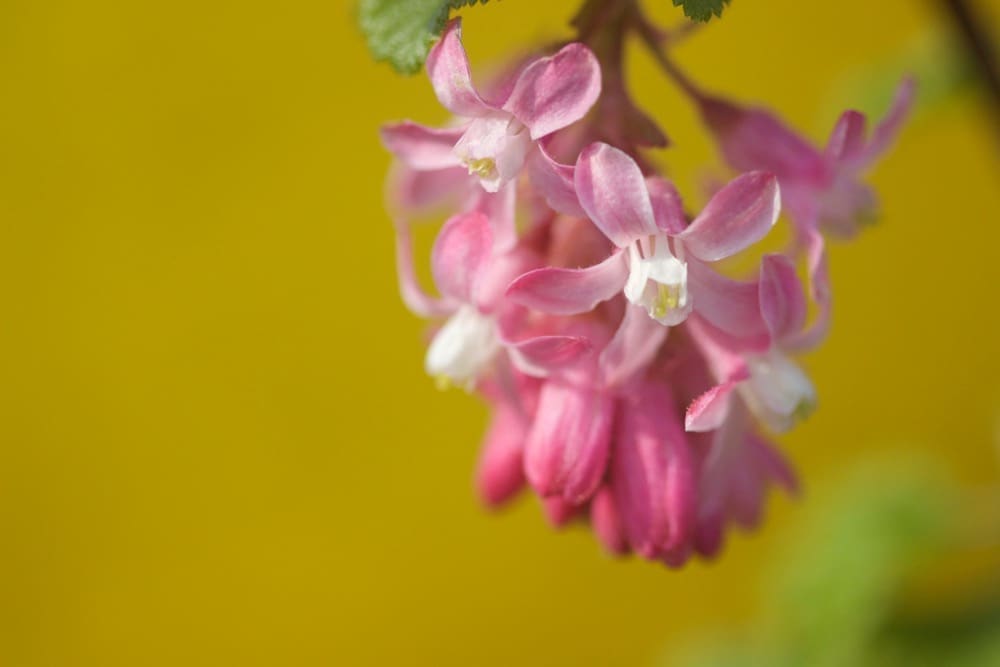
(500, 472)
(548, 95)
(569, 443)
(472, 274)
(820, 188)
(736, 468)
(631, 392)
(653, 477)
(773, 386)
(644, 219)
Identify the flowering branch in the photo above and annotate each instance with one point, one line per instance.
(634, 385)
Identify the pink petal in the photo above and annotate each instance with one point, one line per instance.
(668, 209)
(738, 216)
(708, 411)
(710, 536)
(847, 141)
(819, 288)
(460, 255)
(756, 139)
(730, 305)
(782, 299)
(613, 192)
(554, 181)
(886, 131)
(448, 68)
(415, 298)
(503, 268)
(557, 91)
(633, 347)
(746, 495)
(652, 474)
(607, 523)
(773, 463)
(500, 473)
(566, 451)
(570, 291)
(423, 148)
(559, 511)
(412, 193)
(550, 353)
(500, 208)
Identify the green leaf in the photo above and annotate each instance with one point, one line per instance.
(402, 31)
(701, 10)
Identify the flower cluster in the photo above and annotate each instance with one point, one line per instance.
(631, 378)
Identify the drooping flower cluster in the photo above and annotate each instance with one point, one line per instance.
(631, 380)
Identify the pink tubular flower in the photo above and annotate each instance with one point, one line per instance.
(500, 472)
(548, 95)
(775, 389)
(471, 274)
(644, 219)
(820, 188)
(569, 443)
(653, 476)
(736, 468)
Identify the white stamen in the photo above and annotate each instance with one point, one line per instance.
(494, 148)
(657, 281)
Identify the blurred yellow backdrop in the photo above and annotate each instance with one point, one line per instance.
(217, 443)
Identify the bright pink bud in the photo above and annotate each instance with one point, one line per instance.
(653, 474)
(607, 523)
(500, 474)
(567, 447)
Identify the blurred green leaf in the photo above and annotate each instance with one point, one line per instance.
(836, 596)
(401, 31)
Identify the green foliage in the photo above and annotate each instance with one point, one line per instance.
(401, 31)
(701, 10)
(837, 595)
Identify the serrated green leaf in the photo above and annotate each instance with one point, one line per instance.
(401, 31)
(701, 10)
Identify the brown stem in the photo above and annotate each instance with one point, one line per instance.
(653, 40)
(978, 43)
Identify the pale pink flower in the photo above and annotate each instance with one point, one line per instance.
(656, 247)
(770, 383)
(737, 466)
(548, 95)
(821, 188)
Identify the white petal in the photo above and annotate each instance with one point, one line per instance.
(463, 347)
(658, 283)
(494, 149)
(778, 390)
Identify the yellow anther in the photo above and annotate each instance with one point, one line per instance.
(667, 298)
(483, 167)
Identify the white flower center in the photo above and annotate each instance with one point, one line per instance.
(462, 348)
(657, 281)
(778, 391)
(494, 148)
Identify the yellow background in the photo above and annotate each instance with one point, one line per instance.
(217, 444)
